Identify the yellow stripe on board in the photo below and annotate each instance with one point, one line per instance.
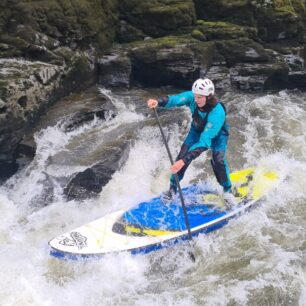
(263, 184)
(249, 183)
(241, 177)
(147, 231)
(253, 184)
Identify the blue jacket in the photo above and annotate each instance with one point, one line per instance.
(215, 127)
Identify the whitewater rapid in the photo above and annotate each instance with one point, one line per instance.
(259, 258)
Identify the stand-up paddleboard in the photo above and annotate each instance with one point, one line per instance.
(152, 225)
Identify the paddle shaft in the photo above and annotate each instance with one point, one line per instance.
(175, 175)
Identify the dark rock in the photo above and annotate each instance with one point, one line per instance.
(224, 30)
(60, 34)
(26, 149)
(297, 80)
(127, 33)
(33, 37)
(158, 18)
(220, 76)
(274, 20)
(280, 25)
(242, 50)
(40, 53)
(43, 84)
(82, 23)
(114, 70)
(90, 182)
(83, 117)
(16, 45)
(7, 170)
(3, 107)
(7, 50)
(199, 35)
(259, 76)
(294, 56)
(22, 101)
(240, 12)
(171, 60)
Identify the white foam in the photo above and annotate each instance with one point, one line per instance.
(145, 174)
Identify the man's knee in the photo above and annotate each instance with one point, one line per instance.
(218, 157)
(220, 169)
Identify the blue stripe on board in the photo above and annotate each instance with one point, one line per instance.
(159, 216)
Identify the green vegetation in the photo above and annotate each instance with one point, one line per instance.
(221, 30)
(79, 21)
(284, 6)
(217, 24)
(197, 34)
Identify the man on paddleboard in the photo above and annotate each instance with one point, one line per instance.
(209, 130)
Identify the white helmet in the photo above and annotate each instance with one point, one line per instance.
(203, 87)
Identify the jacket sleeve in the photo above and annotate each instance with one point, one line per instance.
(213, 126)
(184, 98)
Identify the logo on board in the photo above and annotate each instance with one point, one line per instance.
(76, 239)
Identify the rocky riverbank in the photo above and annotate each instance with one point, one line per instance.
(49, 49)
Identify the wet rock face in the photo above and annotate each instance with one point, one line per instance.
(42, 26)
(26, 89)
(242, 50)
(274, 19)
(240, 12)
(56, 39)
(240, 34)
(281, 20)
(240, 63)
(81, 118)
(128, 33)
(158, 18)
(115, 69)
(90, 182)
(169, 60)
(259, 76)
(177, 64)
(23, 85)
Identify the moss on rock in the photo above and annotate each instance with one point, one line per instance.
(170, 60)
(197, 34)
(236, 11)
(158, 17)
(224, 30)
(78, 21)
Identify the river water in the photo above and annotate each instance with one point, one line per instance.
(257, 259)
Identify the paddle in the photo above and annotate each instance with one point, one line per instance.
(177, 183)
